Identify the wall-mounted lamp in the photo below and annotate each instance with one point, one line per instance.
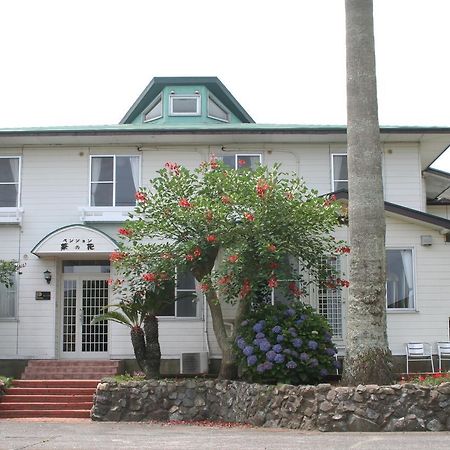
(48, 276)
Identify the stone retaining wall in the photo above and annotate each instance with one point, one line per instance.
(406, 407)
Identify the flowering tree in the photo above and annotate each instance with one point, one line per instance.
(232, 229)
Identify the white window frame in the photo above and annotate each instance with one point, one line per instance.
(19, 182)
(237, 156)
(197, 97)
(414, 306)
(333, 181)
(113, 181)
(15, 287)
(225, 110)
(151, 106)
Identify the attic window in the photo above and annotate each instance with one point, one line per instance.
(185, 105)
(154, 111)
(215, 111)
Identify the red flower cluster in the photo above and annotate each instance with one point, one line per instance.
(125, 232)
(296, 292)
(225, 199)
(271, 248)
(241, 162)
(249, 217)
(224, 280)
(233, 258)
(343, 249)
(195, 254)
(184, 203)
(272, 282)
(329, 200)
(209, 215)
(333, 284)
(149, 277)
(173, 167)
(141, 197)
(213, 164)
(211, 238)
(204, 287)
(246, 288)
(116, 256)
(261, 188)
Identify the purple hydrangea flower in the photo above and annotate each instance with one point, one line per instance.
(260, 368)
(289, 312)
(262, 322)
(277, 348)
(267, 365)
(323, 372)
(251, 360)
(297, 342)
(313, 362)
(244, 323)
(240, 342)
(299, 321)
(279, 358)
(257, 327)
(264, 345)
(313, 345)
(327, 336)
(291, 365)
(270, 355)
(260, 335)
(304, 356)
(293, 332)
(248, 350)
(280, 338)
(276, 329)
(330, 351)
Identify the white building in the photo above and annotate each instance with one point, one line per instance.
(65, 191)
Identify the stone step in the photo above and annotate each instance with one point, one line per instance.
(56, 398)
(30, 413)
(12, 406)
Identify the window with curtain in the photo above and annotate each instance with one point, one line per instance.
(242, 160)
(9, 182)
(399, 279)
(114, 180)
(8, 300)
(339, 172)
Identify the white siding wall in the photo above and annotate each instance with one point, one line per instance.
(439, 210)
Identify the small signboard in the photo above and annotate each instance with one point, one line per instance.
(42, 295)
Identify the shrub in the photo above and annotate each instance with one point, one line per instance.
(285, 344)
(5, 382)
(435, 379)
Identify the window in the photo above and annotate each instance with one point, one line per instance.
(215, 111)
(399, 279)
(185, 105)
(154, 111)
(186, 297)
(9, 181)
(339, 171)
(8, 300)
(242, 161)
(114, 180)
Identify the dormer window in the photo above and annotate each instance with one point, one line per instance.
(216, 111)
(154, 111)
(184, 105)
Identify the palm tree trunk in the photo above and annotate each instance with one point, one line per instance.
(368, 354)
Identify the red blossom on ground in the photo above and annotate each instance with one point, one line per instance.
(141, 197)
(125, 232)
(184, 203)
(272, 282)
(211, 238)
(233, 258)
(422, 378)
(173, 167)
(116, 256)
(225, 199)
(249, 217)
(271, 248)
(149, 277)
(197, 252)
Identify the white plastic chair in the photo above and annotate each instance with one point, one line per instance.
(418, 351)
(443, 349)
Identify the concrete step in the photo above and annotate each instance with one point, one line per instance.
(45, 406)
(42, 383)
(30, 413)
(65, 374)
(66, 362)
(56, 398)
(30, 391)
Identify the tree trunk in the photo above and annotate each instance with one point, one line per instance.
(368, 354)
(146, 347)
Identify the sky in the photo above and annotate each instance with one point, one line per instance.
(85, 62)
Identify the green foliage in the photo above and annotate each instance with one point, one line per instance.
(7, 270)
(5, 382)
(124, 378)
(285, 343)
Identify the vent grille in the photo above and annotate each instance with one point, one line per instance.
(194, 363)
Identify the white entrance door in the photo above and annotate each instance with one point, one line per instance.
(84, 297)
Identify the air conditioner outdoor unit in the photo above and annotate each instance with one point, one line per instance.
(194, 363)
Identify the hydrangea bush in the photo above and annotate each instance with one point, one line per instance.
(285, 344)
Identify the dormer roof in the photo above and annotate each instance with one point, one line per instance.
(212, 84)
